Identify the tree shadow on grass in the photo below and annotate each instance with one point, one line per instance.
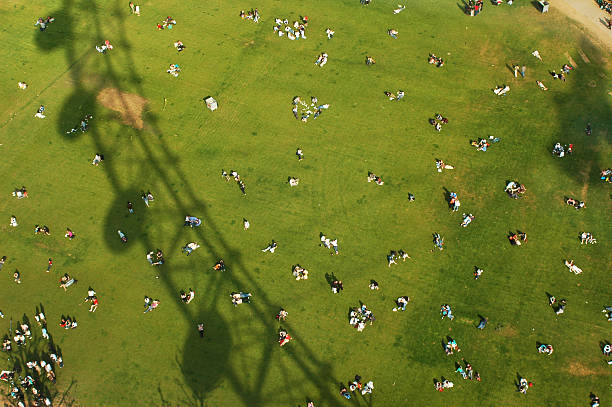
(204, 363)
(584, 98)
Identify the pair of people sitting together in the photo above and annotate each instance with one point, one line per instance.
(375, 178)
(187, 297)
(300, 273)
(576, 204)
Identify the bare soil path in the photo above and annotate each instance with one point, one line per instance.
(589, 15)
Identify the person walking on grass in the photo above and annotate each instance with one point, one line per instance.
(49, 265)
(17, 277)
(130, 207)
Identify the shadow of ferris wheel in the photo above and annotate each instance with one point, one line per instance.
(203, 367)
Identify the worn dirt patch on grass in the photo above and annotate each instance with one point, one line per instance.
(571, 60)
(129, 105)
(578, 369)
(585, 176)
(507, 331)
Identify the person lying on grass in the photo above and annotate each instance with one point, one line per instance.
(66, 281)
(240, 298)
(375, 178)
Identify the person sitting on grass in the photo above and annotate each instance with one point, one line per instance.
(393, 33)
(152, 306)
(370, 60)
(587, 238)
(20, 193)
(283, 337)
(516, 238)
(282, 315)
(337, 286)
(576, 204)
(321, 60)
(373, 285)
(219, 266)
(546, 349)
(41, 230)
(446, 312)
(69, 234)
(174, 70)
(187, 297)
(293, 182)
(299, 272)
(514, 189)
(438, 241)
(401, 303)
(454, 202)
(66, 281)
(391, 257)
(179, 46)
(98, 158)
(155, 258)
(558, 150)
(451, 347)
(240, 298)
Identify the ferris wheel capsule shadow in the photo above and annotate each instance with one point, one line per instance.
(204, 360)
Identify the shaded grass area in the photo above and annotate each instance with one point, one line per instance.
(182, 149)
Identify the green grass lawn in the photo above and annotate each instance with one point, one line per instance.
(120, 356)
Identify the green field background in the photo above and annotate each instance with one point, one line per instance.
(119, 356)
